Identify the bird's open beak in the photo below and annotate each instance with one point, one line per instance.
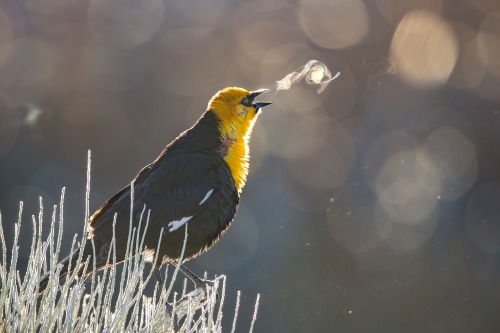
(256, 93)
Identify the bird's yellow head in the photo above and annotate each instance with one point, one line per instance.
(237, 111)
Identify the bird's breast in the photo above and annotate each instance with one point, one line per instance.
(235, 153)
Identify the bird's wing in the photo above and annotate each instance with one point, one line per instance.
(113, 205)
(179, 188)
(174, 188)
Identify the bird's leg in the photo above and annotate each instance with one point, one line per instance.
(170, 308)
(158, 276)
(198, 282)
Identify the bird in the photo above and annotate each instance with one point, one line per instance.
(195, 183)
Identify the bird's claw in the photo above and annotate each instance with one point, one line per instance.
(206, 286)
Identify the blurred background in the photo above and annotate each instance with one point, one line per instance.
(372, 207)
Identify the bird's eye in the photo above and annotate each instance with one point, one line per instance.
(245, 101)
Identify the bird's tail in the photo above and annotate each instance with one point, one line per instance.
(68, 266)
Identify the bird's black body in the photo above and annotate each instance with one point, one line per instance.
(171, 187)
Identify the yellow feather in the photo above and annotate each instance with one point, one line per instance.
(236, 124)
(238, 160)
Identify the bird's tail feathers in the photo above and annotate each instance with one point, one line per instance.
(68, 266)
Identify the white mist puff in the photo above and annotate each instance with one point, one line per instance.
(315, 72)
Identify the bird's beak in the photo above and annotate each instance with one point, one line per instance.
(256, 93)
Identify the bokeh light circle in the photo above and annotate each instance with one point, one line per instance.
(489, 43)
(334, 24)
(123, 24)
(382, 148)
(451, 157)
(470, 67)
(401, 194)
(424, 49)
(254, 38)
(394, 10)
(404, 237)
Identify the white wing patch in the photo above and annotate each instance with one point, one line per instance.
(176, 224)
(209, 193)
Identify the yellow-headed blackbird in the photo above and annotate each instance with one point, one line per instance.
(195, 183)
